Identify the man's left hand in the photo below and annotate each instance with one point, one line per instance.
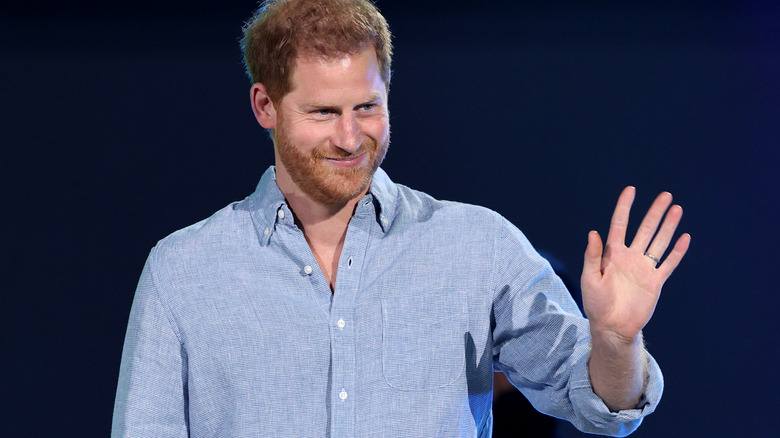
(621, 284)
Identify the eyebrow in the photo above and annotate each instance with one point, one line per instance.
(372, 98)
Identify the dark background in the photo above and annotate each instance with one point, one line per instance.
(123, 122)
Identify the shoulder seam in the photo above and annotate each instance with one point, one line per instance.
(496, 244)
(163, 303)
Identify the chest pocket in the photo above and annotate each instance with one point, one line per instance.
(423, 340)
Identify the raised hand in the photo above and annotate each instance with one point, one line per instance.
(621, 284)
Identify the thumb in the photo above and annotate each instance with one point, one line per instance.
(592, 263)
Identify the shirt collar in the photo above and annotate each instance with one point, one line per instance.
(264, 205)
(267, 200)
(385, 192)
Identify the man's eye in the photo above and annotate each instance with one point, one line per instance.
(323, 112)
(367, 106)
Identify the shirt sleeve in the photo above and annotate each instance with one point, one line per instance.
(542, 343)
(151, 397)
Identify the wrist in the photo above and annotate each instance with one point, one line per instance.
(618, 368)
(612, 340)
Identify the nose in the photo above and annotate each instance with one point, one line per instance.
(348, 136)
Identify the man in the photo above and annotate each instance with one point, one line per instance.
(334, 302)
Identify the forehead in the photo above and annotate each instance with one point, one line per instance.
(352, 74)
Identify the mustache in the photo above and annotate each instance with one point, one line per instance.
(340, 154)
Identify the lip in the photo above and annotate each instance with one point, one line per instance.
(345, 163)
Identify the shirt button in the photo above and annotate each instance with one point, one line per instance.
(341, 324)
(307, 270)
(280, 213)
(343, 395)
(267, 231)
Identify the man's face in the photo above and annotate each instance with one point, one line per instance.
(332, 129)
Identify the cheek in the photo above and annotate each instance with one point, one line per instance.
(377, 129)
(308, 139)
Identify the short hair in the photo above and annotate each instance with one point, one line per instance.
(280, 31)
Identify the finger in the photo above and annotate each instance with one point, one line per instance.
(664, 236)
(592, 263)
(674, 257)
(593, 252)
(619, 223)
(650, 222)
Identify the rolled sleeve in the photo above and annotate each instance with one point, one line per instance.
(592, 415)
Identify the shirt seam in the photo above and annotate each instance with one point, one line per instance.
(163, 304)
(494, 273)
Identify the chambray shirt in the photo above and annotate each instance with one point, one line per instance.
(234, 331)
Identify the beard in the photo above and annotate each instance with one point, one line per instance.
(324, 183)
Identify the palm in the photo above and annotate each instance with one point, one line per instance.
(621, 285)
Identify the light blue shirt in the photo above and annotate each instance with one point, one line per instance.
(234, 331)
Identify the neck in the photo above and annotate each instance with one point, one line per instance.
(321, 223)
(324, 225)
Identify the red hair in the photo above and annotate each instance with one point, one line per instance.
(281, 31)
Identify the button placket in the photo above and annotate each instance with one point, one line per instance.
(343, 322)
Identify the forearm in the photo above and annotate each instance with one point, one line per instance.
(618, 369)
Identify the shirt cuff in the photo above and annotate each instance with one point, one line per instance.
(594, 416)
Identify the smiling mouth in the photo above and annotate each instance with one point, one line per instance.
(349, 158)
(350, 161)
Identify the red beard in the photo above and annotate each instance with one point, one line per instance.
(318, 180)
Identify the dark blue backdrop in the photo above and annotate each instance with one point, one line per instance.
(121, 123)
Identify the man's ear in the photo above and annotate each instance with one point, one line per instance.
(264, 110)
